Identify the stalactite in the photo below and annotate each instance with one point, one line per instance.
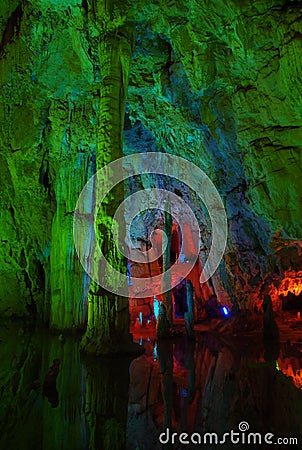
(108, 317)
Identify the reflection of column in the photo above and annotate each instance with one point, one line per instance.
(190, 365)
(107, 403)
(67, 419)
(271, 338)
(28, 421)
(186, 351)
(165, 355)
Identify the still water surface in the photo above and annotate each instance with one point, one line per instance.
(53, 399)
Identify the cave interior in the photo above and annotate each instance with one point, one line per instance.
(217, 85)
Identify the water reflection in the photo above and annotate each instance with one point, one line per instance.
(290, 361)
(50, 390)
(52, 398)
(43, 384)
(216, 383)
(106, 408)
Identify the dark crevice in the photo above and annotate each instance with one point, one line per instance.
(23, 262)
(41, 275)
(44, 177)
(291, 4)
(85, 6)
(12, 28)
(12, 212)
(31, 306)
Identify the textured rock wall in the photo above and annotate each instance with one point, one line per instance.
(48, 141)
(216, 82)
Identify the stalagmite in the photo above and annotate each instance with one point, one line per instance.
(189, 315)
(166, 263)
(163, 325)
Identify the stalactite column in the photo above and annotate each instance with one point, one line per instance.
(108, 314)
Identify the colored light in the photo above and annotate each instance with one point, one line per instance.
(155, 356)
(184, 393)
(156, 308)
(225, 311)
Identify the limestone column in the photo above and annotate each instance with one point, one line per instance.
(108, 314)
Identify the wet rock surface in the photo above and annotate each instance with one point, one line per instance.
(218, 84)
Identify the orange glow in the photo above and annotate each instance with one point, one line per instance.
(291, 282)
(287, 367)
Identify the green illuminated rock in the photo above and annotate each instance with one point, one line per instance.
(108, 314)
(48, 145)
(218, 83)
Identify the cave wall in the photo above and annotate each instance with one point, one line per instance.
(218, 83)
(48, 141)
(215, 82)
